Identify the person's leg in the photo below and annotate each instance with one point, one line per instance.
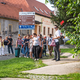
(3, 51)
(34, 51)
(9, 49)
(27, 52)
(55, 53)
(0, 52)
(57, 49)
(12, 49)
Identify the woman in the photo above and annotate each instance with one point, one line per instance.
(30, 47)
(19, 43)
(23, 51)
(50, 48)
(44, 46)
(1, 46)
(6, 42)
(41, 45)
(36, 47)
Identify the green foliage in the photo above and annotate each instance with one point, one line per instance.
(68, 42)
(68, 10)
(13, 67)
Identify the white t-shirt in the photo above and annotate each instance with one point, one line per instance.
(49, 39)
(35, 41)
(57, 33)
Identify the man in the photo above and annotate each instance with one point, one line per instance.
(10, 44)
(56, 48)
(26, 46)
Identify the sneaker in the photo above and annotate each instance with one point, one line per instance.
(25, 56)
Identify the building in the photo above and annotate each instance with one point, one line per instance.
(9, 17)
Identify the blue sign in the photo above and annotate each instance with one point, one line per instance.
(27, 27)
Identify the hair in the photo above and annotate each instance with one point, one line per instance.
(40, 35)
(56, 26)
(50, 35)
(34, 34)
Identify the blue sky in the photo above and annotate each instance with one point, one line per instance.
(48, 4)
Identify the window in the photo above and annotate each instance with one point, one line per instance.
(44, 30)
(39, 29)
(0, 27)
(36, 8)
(41, 10)
(10, 28)
(52, 31)
(45, 12)
(48, 31)
(27, 32)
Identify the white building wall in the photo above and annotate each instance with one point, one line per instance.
(46, 22)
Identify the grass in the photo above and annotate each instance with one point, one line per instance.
(73, 76)
(70, 50)
(13, 67)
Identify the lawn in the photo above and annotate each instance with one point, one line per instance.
(69, 50)
(13, 67)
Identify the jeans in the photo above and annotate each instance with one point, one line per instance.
(56, 51)
(36, 51)
(10, 46)
(26, 51)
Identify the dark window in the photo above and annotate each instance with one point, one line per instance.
(48, 31)
(10, 28)
(44, 31)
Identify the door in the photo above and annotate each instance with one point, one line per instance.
(35, 29)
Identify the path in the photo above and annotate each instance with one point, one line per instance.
(64, 66)
(13, 79)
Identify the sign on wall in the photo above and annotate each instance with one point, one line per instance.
(26, 20)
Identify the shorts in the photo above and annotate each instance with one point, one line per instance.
(50, 48)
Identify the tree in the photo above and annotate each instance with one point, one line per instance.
(68, 10)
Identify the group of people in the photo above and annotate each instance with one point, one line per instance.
(6, 45)
(35, 46)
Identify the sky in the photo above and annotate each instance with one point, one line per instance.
(48, 4)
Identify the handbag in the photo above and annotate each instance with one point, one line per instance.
(53, 43)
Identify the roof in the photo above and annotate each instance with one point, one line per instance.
(25, 5)
(39, 7)
(10, 12)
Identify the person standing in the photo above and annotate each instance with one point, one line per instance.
(44, 46)
(19, 43)
(10, 44)
(6, 42)
(36, 47)
(41, 46)
(26, 46)
(30, 47)
(56, 48)
(1, 46)
(50, 48)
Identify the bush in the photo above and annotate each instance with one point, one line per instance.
(68, 42)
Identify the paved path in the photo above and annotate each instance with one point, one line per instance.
(64, 66)
(7, 57)
(59, 69)
(13, 79)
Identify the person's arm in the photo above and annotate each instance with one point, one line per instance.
(39, 41)
(12, 41)
(57, 35)
(42, 44)
(8, 42)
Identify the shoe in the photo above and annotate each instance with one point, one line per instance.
(58, 60)
(53, 59)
